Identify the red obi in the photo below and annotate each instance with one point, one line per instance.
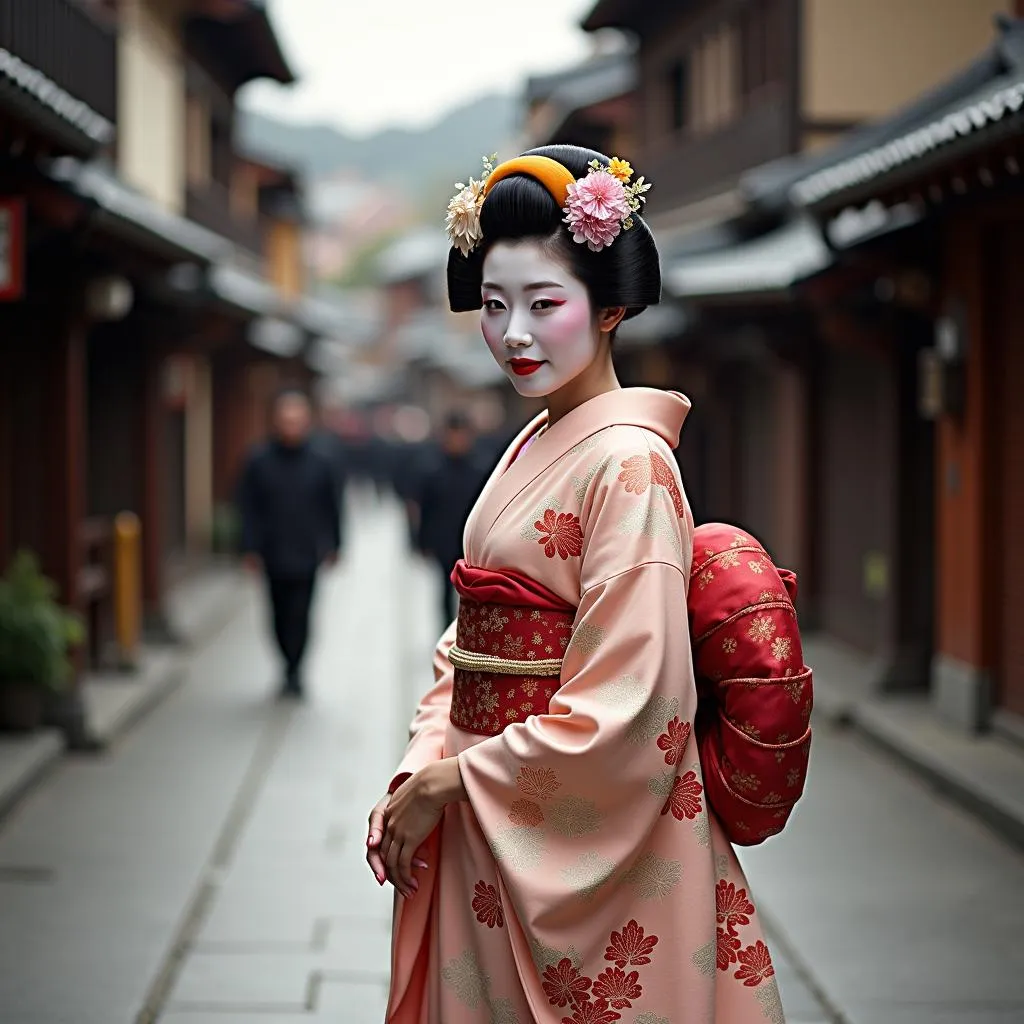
(753, 687)
(510, 639)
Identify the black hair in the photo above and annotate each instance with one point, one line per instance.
(289, 391)
(625, 273)
(456, 419)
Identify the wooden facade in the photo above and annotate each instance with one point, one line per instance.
(118, 386)
(805, 426)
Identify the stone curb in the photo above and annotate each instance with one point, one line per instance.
(24, 760)
(993, 799)
(114, 704)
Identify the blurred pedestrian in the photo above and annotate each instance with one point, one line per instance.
(448, 487)
(291, 524)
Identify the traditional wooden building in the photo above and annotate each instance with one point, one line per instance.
(941, 185)
(153, 293)
(800, 422)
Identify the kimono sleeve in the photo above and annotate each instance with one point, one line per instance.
(568, 800)
(429, 724)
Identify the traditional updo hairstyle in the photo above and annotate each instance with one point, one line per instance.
(625, 273)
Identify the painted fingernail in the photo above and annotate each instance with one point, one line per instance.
(420, 864)
(415, 885)
(380, 879)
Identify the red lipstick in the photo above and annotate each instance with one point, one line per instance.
(524, 367)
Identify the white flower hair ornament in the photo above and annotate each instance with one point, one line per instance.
(597, 207)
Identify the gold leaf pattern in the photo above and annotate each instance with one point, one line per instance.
(581, 483)
(573, 816)
(729, 645)
(518, 848)
(588, 874)
(705, 959)
(587, 637)
(702, 829)
(650, 1018)
(653, 877)
(662, 785)
(503, 1012)
(466, 976)
(655, 519)
(781, 648)
(721, 867)
(548, 956)
(762, 629)
(771, 1002)
(729, 559)
(588, 444)
(627, 693)
(651, 719)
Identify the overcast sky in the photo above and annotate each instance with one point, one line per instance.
(379, 63)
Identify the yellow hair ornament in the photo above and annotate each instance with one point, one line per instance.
(550, 173)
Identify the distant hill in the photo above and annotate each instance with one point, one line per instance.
(417, 160)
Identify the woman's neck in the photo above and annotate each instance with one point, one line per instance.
(596, 379)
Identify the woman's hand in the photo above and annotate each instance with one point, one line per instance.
(375, 850)
(410, 815)
(373, 839)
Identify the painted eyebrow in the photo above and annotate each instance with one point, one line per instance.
(535, 287)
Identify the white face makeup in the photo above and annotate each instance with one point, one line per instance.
(536, 318)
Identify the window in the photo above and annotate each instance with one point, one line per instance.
(197, 135)
(678, 81)
(762, 40)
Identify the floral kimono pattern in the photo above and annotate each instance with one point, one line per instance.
(584, 881)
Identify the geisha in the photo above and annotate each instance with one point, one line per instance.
(548, 830)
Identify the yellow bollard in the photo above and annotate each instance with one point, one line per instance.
(127, 587)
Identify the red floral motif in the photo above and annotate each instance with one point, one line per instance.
(561, 534)
(684, 801)
(662, 473)
(630, 946)
(756, 965)
(728, 947)
(639, 472)
(593, 1013)
(526, 812)
(732, 906)
(564, 984)
(636, 474)
(673, 740)
(618, 987)
(487, 905)
(538, 782)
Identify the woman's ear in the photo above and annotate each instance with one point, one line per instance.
(609, 319)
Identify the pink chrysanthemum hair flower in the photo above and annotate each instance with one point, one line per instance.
(596, 207)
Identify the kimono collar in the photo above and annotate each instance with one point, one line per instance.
(661, 412)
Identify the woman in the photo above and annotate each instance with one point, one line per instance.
(547, 830)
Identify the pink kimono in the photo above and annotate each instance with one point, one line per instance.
(584, 881)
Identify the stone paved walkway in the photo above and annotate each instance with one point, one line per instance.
(208, 869)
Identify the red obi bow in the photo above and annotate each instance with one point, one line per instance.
(754, 690)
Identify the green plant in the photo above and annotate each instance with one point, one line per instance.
(36, 633)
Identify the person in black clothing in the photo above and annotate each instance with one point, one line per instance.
(290, 503)
(448, 488)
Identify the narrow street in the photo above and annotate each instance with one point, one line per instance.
(209, 869)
